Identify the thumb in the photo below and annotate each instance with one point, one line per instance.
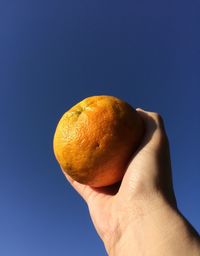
(155, 135)
(152, 157)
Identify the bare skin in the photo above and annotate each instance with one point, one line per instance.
(139, 215)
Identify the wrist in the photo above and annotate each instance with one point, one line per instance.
(129, 221)
(156, 228)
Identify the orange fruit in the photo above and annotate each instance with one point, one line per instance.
(95, 139)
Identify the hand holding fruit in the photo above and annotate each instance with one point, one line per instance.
(138, 215)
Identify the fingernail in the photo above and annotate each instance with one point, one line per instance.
(140, 109)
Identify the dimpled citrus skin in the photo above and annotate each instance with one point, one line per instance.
(95, 139)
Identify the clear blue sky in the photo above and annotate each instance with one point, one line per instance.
(55, 53)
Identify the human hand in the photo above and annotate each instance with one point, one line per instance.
(125, 214)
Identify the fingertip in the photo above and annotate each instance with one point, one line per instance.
(69, 178)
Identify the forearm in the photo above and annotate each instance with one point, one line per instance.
(162, 232)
